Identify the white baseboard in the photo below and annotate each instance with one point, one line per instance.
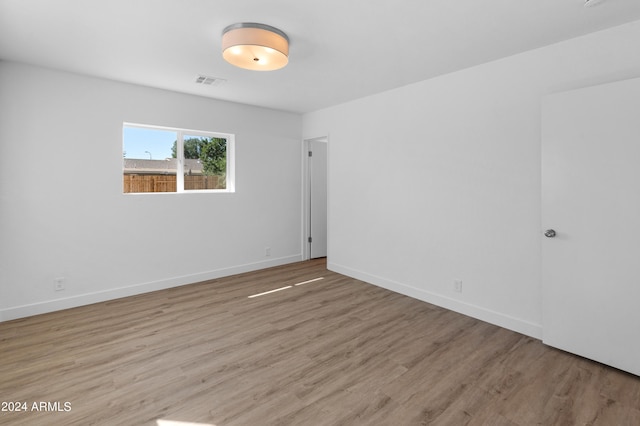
(515, 324)
(116, 293)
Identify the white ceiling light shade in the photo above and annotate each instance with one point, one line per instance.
(255, 47)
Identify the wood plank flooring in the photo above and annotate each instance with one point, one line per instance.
(335, 351)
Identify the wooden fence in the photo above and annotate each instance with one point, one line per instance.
(167, 183)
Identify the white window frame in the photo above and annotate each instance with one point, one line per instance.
(180, 133)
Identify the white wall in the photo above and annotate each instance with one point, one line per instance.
(62, 211)
(440, 180)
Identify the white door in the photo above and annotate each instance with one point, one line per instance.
(318, 198)
(591, 198)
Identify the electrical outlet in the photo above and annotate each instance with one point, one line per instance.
(267, 251)
(457, 286)
(58, 284)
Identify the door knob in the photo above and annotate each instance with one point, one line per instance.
(550, 233)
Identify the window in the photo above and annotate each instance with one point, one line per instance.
(162, 159)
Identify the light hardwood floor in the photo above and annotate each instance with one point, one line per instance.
(335, 351)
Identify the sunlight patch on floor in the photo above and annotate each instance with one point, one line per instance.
(285, 288)
(310, 281)
(270, 291)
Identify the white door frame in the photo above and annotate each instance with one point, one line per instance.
(306, 195)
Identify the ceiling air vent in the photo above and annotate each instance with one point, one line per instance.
(209, 81)
(592, 3)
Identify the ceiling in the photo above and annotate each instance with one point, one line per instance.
(340, 49)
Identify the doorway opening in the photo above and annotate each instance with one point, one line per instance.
(315, 244)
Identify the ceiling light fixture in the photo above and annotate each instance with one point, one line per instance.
(257, 47)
